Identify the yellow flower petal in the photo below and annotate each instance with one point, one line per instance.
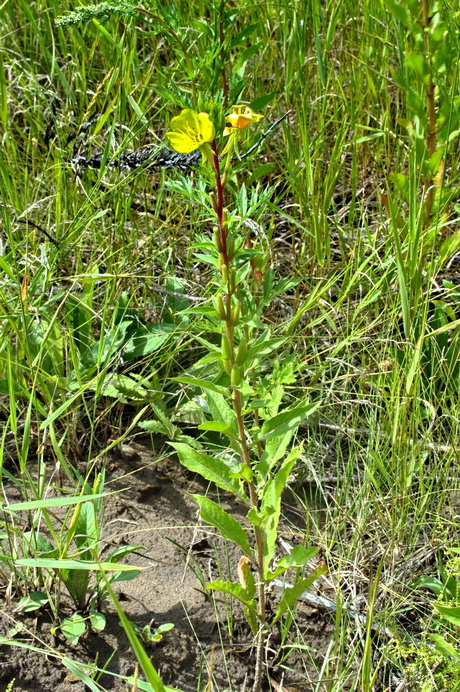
(206, 126)
(181, 142)
(241, 116)
(190, 130)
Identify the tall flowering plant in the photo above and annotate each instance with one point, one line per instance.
(259, 434)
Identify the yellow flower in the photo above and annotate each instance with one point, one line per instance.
(240, 117)
(190, 130)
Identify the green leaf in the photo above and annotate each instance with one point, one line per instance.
(271, 504)
(416, 61)
(251, 618)
(82, 673)
(216, 426)
(281, 477)
(243, 472)
(73, 627)
(256, 518)
(247, 578)
(449, 246)
(247, 54)
(451, 614)
(199, 310)
(214, 349)
(202, 26)
(146, 686)
(274, 450)
(212, 468)
(233, 589)
(444, 647)
(228, 526)
(223, 413)
(98, 621)
(298, 557)
(431, 583)
(270, 531)
(127, 575)
(264, 346)
(401, 12)
(76, 580)
(259, 103)
(122, 551)
(125, 388)
(83, 565)
(446, 328)
(33, 601)
(191, 412)
(86, 530)
(401, 184)
(39, 545)
(147, 339)
(154, 426)
(157, 635)
(286, 421)
(220, 410)
(243, 36)
(259, 172)
(204, 384)
(292, 594)
(52, 502)
(139, 651)
(60, 410)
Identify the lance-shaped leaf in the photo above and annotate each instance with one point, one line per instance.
(286, 421)
(234, 589)
(228, 526)
(222, 413)
(271, 504)
(211, 468)
(204, 384)
(292, 594)
(298, 557)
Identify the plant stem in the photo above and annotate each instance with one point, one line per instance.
(238, 408)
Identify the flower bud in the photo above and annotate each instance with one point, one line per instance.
(220, 307)
(227, 367)
(224, 272)
(232, 280)
(226, 350)
(230, 248)
(213, 201)
(242, 352)
(217, 239)
(235, 377)
(236, 314)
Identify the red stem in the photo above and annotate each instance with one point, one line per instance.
(220, 202)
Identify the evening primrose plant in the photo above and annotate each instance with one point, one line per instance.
(245, 404)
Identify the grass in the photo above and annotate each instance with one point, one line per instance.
(89, 263)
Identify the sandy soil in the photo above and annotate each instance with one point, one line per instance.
(210, 639)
